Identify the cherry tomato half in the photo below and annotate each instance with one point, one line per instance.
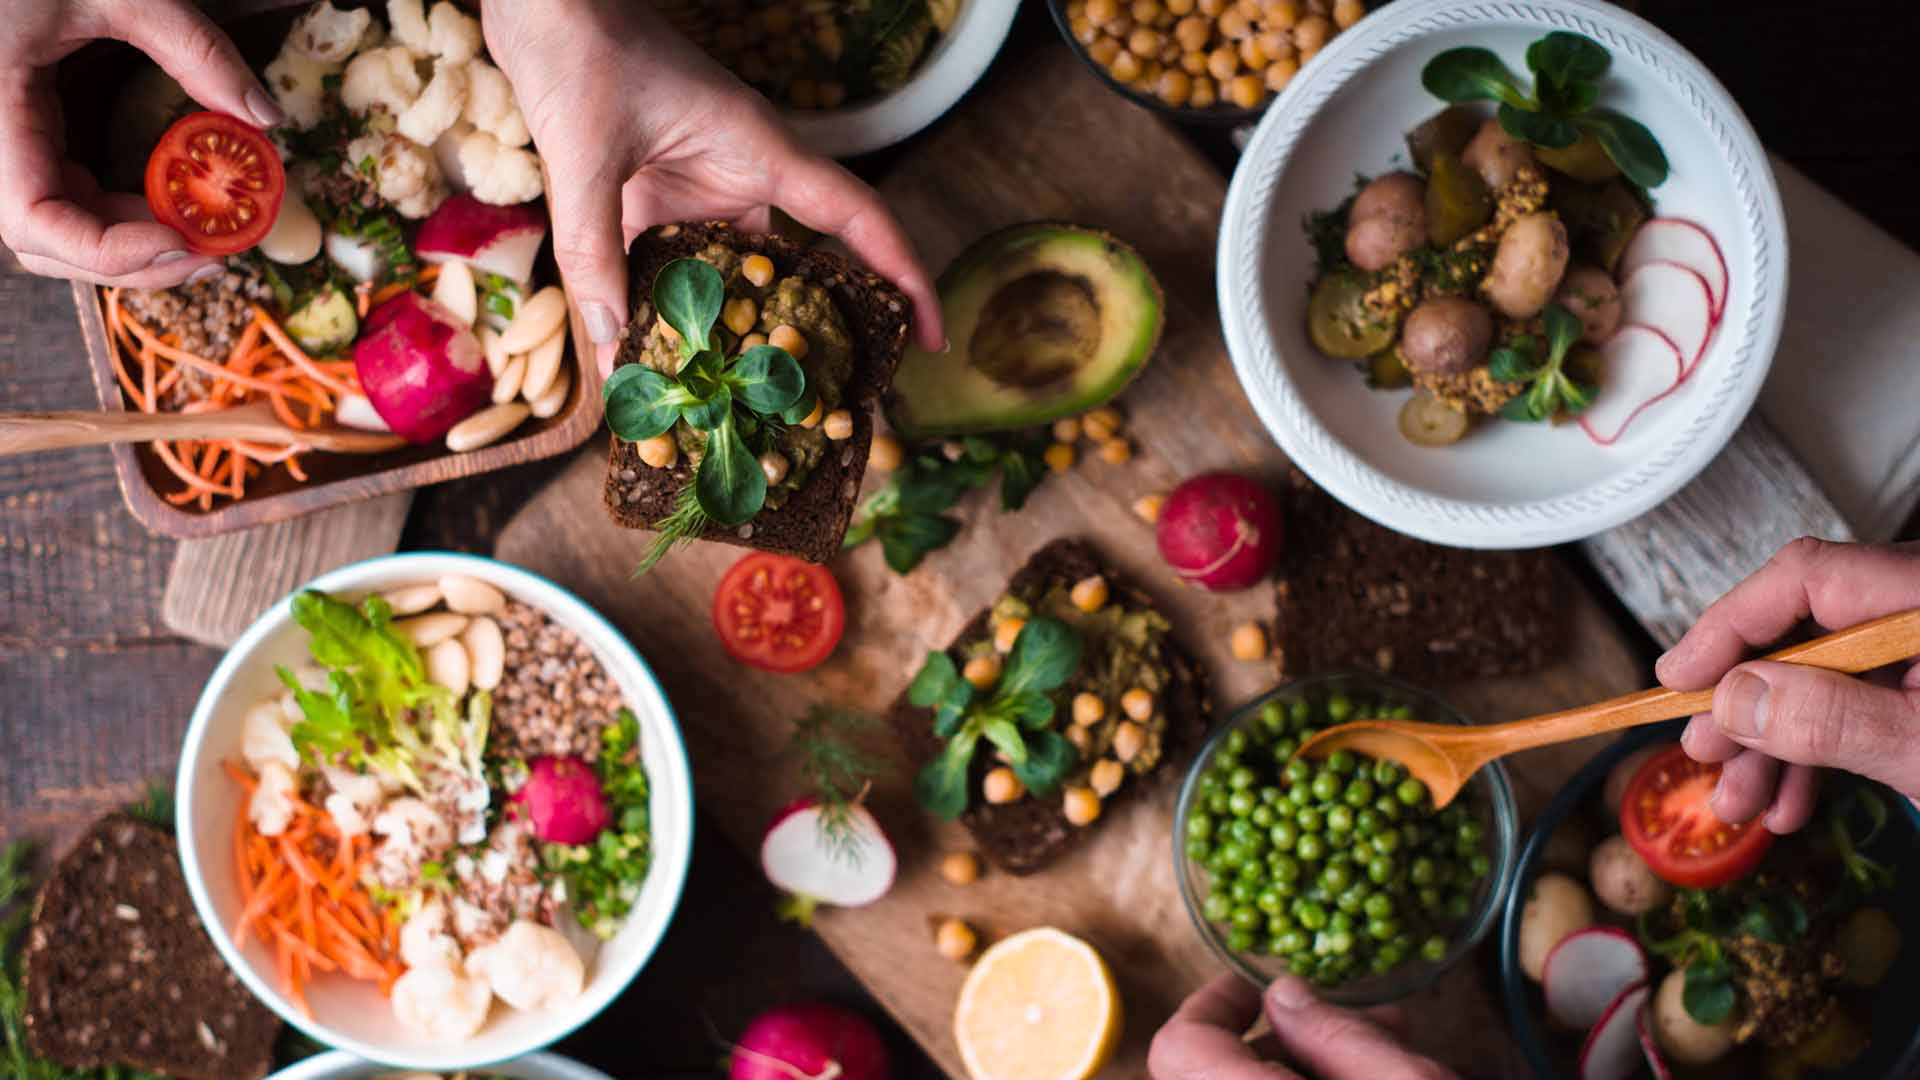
(779, 613)
(1665, 817)
(216, 181)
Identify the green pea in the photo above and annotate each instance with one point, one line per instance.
(1411, 792)
(1224, 764)
(1341, 920)
(1246, 917)
(1300, 712)
(1340, 819)
(1299, 794)
(1242, 891)
(1310, 847)
(1431, 899)
(1342, 762)
(1240, 803)
(1379, 965)
(1251, 872)
(1386, 841)
(1325, 786)
(1208, 784)
(1270, 795)
(1340, 941)
(1218, 804)
(1262, 816)
(1283, 749)
(1479, 865)
(1379, 906)
(1388, 807)
(1241, 778)
(1411, 834)
(1337, 876)
(1301, 963)
(1386, 772)
(1359, 792)
(1256, 844)
(1286, 869)
(1434, 949)
(1310, 819)
(1339, 708)
(1469, 832)
(1423, 871)
(1401, 712)
(1279, 923)
(1383, 929)
(1458, 905)
(1198, 850)
(1366, 822)
(1269, 901)
(1392, 953)
(1311, 915)
(1273, 717)
(1240, 941)
(1236, 743)
(1283, 834)
(1231, 855)
(1199, 826)
(1217, 864)
(1379, 869)
(1294, 942)
(1217, 907)
(1296, 772)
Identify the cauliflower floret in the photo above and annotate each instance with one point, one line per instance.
(424, 941)
(383, 78)
(441, 1003)
(446, 151)
(452, 35)
(327, 34)
(263, 737)
(491, 107)
(354, 800)
(501, 175)
(409, 21)
(437, 107)
(411, 833)
(297, 84)
(531, 967)
(271, 806)
(405, 173)
(422, 204)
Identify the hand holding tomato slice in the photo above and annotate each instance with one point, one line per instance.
(216, 181)
(778, 613)
(1665, 815)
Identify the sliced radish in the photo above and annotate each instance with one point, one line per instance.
(1675, 301)
(1644, 1023)
(1677, 240)
(847, 864)
(1612, 1050)
(1643, 366)
(454, 289)
(1587, 970)
(499, 240)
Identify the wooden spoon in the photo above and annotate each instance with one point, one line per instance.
(28, 433)
(1443, 756)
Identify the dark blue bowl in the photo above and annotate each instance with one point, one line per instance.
(1893, 1052)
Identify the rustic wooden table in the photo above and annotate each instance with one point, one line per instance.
(95, 694)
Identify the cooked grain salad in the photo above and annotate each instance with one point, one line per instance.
(816, 54)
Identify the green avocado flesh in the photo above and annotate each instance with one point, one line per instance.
(1045, 321)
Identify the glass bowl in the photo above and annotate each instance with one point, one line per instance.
(1488, 796)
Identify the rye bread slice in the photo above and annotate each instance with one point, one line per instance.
(119, 971)
(1355, 595)
(814, 519)
(1027, 835)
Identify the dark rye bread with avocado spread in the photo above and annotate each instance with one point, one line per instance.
(813, 519)
(1354, 595)
(1029, 834)
(119, 971)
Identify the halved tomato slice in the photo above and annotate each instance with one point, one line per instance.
(217, 181)
(778, 613)
(1665, 817)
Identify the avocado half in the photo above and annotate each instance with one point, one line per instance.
(1044, 320)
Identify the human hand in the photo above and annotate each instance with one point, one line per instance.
(1204, 1039)
(638, 128)
(1773, 723)
(53, 214)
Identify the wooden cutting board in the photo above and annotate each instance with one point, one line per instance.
(1042, 141)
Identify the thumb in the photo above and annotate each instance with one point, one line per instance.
(200, 57)
(588, 246)
(1810, 716)
(1336, 1044)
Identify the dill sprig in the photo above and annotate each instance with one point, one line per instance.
(839, 769)
(688, 520)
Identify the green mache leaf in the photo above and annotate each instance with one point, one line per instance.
(1470, 74)
(1520, 409)
(905, 541)
(1707, 993)
(1032, 708)
(688, 294)
(1563, 331)
(1006, 738)
(1507, 364)
(980, 448)
(1049, 758)
(1021, 471)
(1045, 656)
(936, 681)
(641, 402)
(930, 493)
(1575, 396)
(1629, 144)
(941, 787)
(730, 484)
(767, 380)
(1569, 100)
(802, 406)
(1568, 59)
(1538, 128)
(710, 412)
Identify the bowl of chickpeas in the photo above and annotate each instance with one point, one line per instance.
(1213, 61)
(1340, 871)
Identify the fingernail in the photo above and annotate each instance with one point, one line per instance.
(946, 345)
(1745, 716)
(1288, 992)
(1671, 656)
(166, 257)
(206, 273)
(601, 326)
(266, 111)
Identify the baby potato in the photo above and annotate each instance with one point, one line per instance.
(1496, 155)
(1556, 906)
(1387, 220)
(1527, 266)
(1686, 1041)
(1589, 292)
(1448, 336)
(1622, 879)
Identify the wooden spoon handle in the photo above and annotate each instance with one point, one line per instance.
(1860, 648)
(30, 433)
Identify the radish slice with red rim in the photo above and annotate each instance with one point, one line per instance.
(1675, 301)
(1587, 971)
(1612, 1050)
(1644, 1022)
(1677, 240)
(847, 863)
(1643, 366)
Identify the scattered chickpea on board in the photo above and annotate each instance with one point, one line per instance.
(954, 939)
(1201, 53)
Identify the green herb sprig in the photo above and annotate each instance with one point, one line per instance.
(909, 514)
(838, 769)
(1017, 719)
(1562, 106)
(1551, 390)
(603, 876)
(730, 398)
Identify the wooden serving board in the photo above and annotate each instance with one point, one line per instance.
(1042, 141)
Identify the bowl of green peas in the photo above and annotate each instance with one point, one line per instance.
(1340, 871)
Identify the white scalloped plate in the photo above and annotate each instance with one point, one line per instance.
(1507, 485)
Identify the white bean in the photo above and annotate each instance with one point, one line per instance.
(426, 631)
(487, 648)
(412, 599)
(506, 385)
(543, 364)
(490, 345)
(470, 595)
(549, 403)
(487, 425)
(449, 666)
(539, 316)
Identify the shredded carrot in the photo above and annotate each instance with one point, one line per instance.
(294, 353)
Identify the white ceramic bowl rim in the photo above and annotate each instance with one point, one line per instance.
(1245, 299)
(241, 652)
(340, 1065)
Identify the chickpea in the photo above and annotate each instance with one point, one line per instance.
(1059, 457)
(786, 337)
(1348, 12)
(1281, 72)
(954, 939)
(1126, 67)
(1089, 594)
(813, 418)
(1194, 64)
(982, 672)
(758, 270)
(1106, 776)
(1102, 12)
(838, 425)
(666, 331)
(1146, 11)
(960, 867)
(1102, 423)
(1277, 44)
(1083, 29)
(1179, 7)
(1250, 8)
(828, 40)
(1088, 709)
(1082, 740)
(1169, 54)
(1128, 740)
(1149, 75)
(886, 453)
(739, 315)
(1223, 63)
(659, 452)
(1007, 633)
(1104, 52)
(1193, 33)
(1174, 86)
(1205, 93)
(1066, 429)
(1211, 7)
(1081, 805)
(1147, 507)
(1248, 642)
(1137, 703)
(953, 449)
(1252, 56)
(803, 93)
(1001, 786)
(1246, 91)
(1311, 34)
(1116, 451)
(751, 342)
(1235, 24)
(774, 464)
(832, 95)
(1144, 42)
(1281, 14)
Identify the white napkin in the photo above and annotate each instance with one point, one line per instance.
(1844, 391)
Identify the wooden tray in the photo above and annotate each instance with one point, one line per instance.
(89, 81)
(1040, 141)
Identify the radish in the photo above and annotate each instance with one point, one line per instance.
(1220, 531)
(499, 240)
(561, 801)
(357, 257)
(455, 291)
(1644, 1024)
(1643, 366)
(1612, 1050)
(1587, 970)
(816, 859)
(809, 1041)
(1677, 240)
(1673, 300)
(421, 367)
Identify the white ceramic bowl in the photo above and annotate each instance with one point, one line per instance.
(339, 1065)
(1507, 485)
(945, 74)
(352, 1015)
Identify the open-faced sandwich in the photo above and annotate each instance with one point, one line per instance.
(1068, 693)
(742, 391)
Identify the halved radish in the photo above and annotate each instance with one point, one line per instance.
(1612, 1050)
(846, 862)
(1644, 1024)
(1675, 301)
(1677, 240)
(455, 291)
(1587, 970)
(1643, 366)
